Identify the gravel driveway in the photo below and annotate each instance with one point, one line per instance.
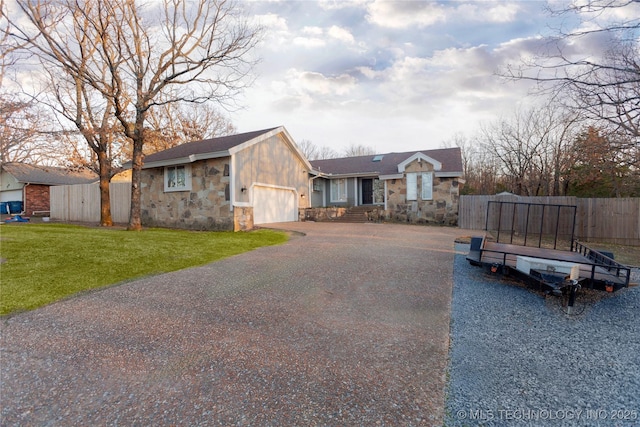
(348, 325)
(518, 359)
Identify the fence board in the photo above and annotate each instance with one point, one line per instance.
(602, 219)
(81, 203)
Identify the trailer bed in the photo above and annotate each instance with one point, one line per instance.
(596, 269)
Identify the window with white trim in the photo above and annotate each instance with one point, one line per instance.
(427, 186)
(177, 178)
(339, 190)
(412, 186)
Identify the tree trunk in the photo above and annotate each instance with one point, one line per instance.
(105, 198)
(135, 223)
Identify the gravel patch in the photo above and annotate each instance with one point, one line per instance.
(517, 359)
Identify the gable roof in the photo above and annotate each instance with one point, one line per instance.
(48, 175)
(214, 145)
(223, 146)
(448, 162)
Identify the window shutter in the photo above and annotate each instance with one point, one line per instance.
(412, 186)
(427, 186)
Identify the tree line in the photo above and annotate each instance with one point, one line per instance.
(549, 151)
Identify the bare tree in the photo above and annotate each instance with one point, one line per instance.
(477, 165)
(603, 86)
(467, 150)
(325, 152)
(355, 150)
(316, 152)
(20, 117)
(174, 124)
(138, 57)
(309, 149)
(533, 149)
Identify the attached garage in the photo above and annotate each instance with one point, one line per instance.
(274, 204)
(228, 183)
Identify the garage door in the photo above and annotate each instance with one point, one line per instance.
(273, 205)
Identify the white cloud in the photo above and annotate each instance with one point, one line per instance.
(340, 34)
(309, 42)
(313, 31)
(341, 4)
(308, 82)
(272, 22)
(397, 74)
(404, 14)
(276, 30)
(487, 12)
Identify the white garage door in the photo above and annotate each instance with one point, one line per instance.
(273, 205)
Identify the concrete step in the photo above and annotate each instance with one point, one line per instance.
(357, 214)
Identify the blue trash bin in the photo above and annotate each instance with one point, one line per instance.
(15, 207)
(4, 208)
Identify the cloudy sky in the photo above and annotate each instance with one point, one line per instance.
(392, 75)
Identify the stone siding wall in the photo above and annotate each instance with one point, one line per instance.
(321, 214)
(205, 207)
(242, 218)
(442, 209)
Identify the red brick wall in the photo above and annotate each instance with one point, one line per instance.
(37, 198)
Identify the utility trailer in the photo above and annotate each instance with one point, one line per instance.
(536, 244)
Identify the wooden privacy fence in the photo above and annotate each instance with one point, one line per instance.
(610, 220)
(82, 202)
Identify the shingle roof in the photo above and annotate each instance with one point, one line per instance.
(450, 158)
(48, 175)
(213, 145)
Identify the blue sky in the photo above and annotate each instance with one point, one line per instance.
(393, 75)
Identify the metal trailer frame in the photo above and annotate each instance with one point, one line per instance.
(597, 269)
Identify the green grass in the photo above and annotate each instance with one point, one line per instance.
(48, 262)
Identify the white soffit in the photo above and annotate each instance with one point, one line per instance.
(422, 157)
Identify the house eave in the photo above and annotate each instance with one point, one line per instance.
(187, 159)
(448, 174)
(393, 176)
(350, 175)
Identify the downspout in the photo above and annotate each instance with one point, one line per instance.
(232, 182)
(386, 196)
(24, 198)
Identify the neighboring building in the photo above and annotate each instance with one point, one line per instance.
(28, 185)
(228, 183)
(417, 186)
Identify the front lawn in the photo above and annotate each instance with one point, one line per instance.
(43, 263)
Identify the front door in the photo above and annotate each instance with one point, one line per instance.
(367, 191)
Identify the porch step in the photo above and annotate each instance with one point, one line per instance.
(356, 214)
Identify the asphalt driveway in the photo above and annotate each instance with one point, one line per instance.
(346, 325)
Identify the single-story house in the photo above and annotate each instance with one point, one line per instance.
(227, 183)
(238, 181)
(417, 186)
(27, 186)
